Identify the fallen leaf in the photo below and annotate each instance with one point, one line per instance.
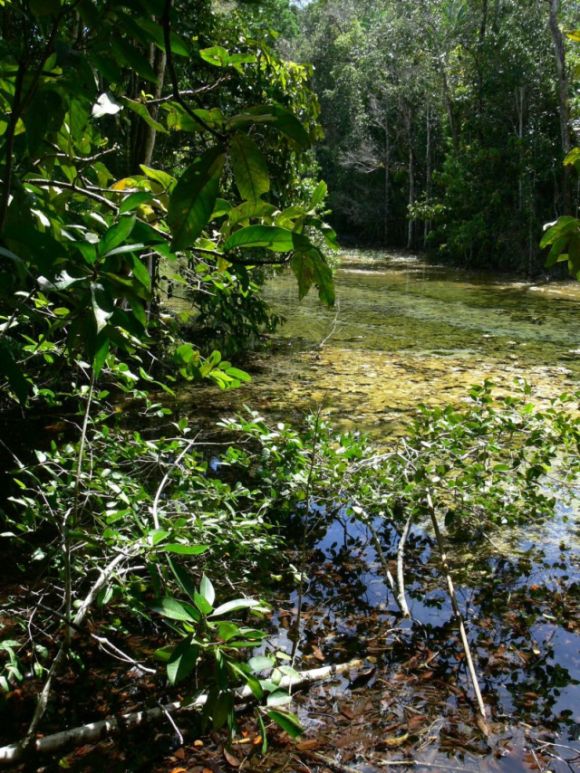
(178, 770)
(308, 745)
(395, 741)
(232, 759)
(179, 754)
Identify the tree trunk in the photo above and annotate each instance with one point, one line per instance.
(144, 136)
(520, 101)
(387, 181)
(411, 176)
(426, 223)
(563, 90)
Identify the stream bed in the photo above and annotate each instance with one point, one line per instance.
(403, 333)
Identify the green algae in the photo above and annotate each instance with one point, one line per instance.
(405, 332)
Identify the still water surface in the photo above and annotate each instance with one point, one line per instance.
(404, 332)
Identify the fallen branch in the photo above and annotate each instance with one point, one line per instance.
(93, 731)
(457, 613)
(60, 658)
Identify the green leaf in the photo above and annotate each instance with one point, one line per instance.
(318, 195)
(163, 178)
(310, 268)
(102, 307)
(261, 663)
(143, 112)
(277, 116)
(116, 235)
(287, 721)
(182, 661)
(250, 168)
(193, 198)
(184, 580)
(140, 272)
(202, 604)
(177, 44)
(101, 350)
(134, 200)
(184, 550)
(16, 379)
(207, 590)
(269, 236)
(126, 54)
(227, 630)
(176, 610)
(279, 698)
(217, 56)
(235, 606)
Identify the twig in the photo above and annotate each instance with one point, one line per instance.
(171, 721)
(190, 92)
(304, 532)
(111, 649)
(105, 574)
(335, 766)
(44, 183)
(332, 329)
(402, 600)
(166, 23)
(155, 508)
(457, 611)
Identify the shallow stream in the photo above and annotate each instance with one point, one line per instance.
(405, 332)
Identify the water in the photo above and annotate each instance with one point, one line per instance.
(404, 332)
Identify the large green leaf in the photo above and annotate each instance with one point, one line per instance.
(310, 267)
(235, 606)
(155, 31)
(143, 112)
(269, 236)
(182, 661)
(250, 168)
(177, 610)
(287, 721)
(116, 235)
(277, 116)
(193, 199)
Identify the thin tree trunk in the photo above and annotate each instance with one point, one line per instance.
(411, 172)
(449, 107)
(387, 181)
(426, 223)
(520, 95)
(160, 61)
(563, 91)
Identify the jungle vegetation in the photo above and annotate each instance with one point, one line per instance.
(155, 151)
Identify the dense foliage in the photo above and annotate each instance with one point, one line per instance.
(446, 123)
(118, 171)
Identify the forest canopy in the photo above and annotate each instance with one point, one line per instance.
(447, 123)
